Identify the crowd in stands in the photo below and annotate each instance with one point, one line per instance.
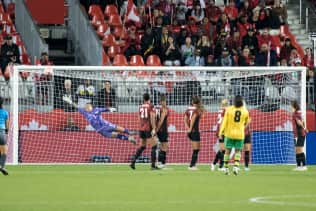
(199, 33)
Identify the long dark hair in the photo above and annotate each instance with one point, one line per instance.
(295, 105)
(238, 101)
(197, 101)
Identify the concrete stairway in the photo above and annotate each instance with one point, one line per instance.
(297, 29)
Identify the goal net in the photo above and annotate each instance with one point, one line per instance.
(45, 129)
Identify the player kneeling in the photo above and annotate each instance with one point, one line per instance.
(102, 126)
(233, 128)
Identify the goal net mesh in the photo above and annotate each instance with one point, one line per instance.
(50, 131)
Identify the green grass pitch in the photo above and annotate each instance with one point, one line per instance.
(99, 187)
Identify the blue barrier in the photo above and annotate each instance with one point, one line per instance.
(311, 148)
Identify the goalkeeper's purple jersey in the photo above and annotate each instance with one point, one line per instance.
(95, 118)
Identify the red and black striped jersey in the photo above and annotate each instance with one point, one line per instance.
(158, 112)
(144, 115)
(297, 129)
(189, 114)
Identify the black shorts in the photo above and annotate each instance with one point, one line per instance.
(300, 141)
(247, 139)
(162, 136)
(144, 134)
(3, 138)
(194, 136)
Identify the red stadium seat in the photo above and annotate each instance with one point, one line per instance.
(120, 32)
(103, 30)
(110, 9)
(95, 9)
(97, 20)
(115, 20)
(120, 60)
(105, 59)
(108, 40)
(137, 60)
(113, 50)
(153, 60)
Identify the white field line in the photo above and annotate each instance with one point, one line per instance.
(280, 200)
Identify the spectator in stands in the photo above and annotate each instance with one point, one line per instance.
(45, 59)
(310, 80)
(210, 62)
(280, 10)
(266, 56)
(196, 59)
(220, 44)
(245, 9)
(234, 42)
(286, 49)
(284, 62)
(226, 59)
(223, 25)
(71, 126)
(85, 93)
(180, 12)
(187, 49)
(273, 22)
(208, 28)
(192, 28)
(171, 55)
(250, 41)
(212, 11)
(245, 59)
(308, 60)
(148, 43)
(10, 53)
(182, 36)
(132, 46)
(67, 91)
(106, 97)
(232, 12)
(198, 13)
(162, 40)
(243, 25)
(205, 45)
(295, 59)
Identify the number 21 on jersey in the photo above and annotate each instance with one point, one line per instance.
(143, 113)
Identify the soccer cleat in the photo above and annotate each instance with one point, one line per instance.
(161, 166)
(304, 168)
(193, 168)
(213, 167)
(297, 168)
(221, 169)
(226, 171)
(132, 165)
(235, 170)
(132, 140)
(4, 171)
(247, 169)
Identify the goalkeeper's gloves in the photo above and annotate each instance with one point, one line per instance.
(67, 99)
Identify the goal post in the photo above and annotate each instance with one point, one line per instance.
(43, 129)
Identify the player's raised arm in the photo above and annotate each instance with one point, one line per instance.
(68, 100)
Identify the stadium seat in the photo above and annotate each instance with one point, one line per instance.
(108, 40)
(115, 20)
(137, 60)
(105, 59)
(153, 60)
(95, 9)
(103, 30)
(113, 50)
(110, 9)
(120, 60)
(97, 20)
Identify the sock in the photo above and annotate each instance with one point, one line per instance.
(247, 157)
(298, 160)
(162, 157)
(217, 157)
(303, 159)
(226, 160)
(153, 156)
(221, 161)
(194, 158)
(122, 137)
(139, 151)
(237, 158)
(3, 158)
(126, 131)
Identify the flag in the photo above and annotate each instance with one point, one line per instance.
(132, 12)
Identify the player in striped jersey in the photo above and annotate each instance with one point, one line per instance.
(233, 128)
(192, 120)
(147, 131)
(300, 131)
(162, 113)
(219, 157)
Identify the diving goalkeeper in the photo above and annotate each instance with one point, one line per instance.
(102, 126)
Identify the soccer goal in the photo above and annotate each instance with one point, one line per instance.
(44, 129)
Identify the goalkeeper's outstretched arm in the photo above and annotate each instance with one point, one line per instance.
(69, 101)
